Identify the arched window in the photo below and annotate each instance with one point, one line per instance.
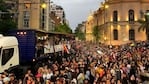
(115, 16)
(131, 34)
(115, 34)
(131, 15)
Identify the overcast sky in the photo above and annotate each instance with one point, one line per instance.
(78, 10)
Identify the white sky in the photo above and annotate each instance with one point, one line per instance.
(78, 10)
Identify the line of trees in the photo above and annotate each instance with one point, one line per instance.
(7, 21)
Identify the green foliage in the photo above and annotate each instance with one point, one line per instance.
(6, 25)
(79, 33)
(144, 26)
(2, 6)
(96, 33)
(6, 21)
(63, 28)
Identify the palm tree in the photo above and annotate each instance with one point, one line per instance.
(145, 25)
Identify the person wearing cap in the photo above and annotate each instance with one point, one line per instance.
(6, 80)
(39, 79)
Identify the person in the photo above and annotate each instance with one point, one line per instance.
(81, 77)
(144, 77)
(13, 80)
(124, 79)
(73, 81)
(133, 72)
(6, 80)
(39, 79)
(86, 81)
(29, 73)
(30, 80)
(1, 82)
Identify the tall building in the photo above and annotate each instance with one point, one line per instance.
(118, 21)
(55, 20)
(34, 14)
(58, 11)
(81, 27)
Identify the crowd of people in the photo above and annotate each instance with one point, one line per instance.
(91, 63)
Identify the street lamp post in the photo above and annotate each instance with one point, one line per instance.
(105, 6)
(110, 34)
(43, 6)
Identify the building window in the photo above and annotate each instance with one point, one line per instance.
(26, 19)
(141, 14)
(131, 15)
(7, 55)
(115, 33)
(27, 5)
(43, 17)
(115, 16)
(131, 34)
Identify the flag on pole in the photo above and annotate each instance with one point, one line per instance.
(66, 49)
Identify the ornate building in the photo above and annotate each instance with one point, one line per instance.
(90, 23)
(118, 21)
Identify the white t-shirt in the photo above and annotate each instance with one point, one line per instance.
(1, 82)
(47, 76)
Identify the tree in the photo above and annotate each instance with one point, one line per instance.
(145, 25)
(96, 33)
(2, 5)
(6, 25)
(79, 33)
(6, 20)
(63, 28)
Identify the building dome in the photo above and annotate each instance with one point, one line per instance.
(90, 18)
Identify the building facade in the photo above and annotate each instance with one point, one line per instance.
(34, 14)
(58, 11)
(118, 21)
(90, 23)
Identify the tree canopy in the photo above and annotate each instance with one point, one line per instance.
(96, 33)
(6, 20)
(63, 28)
(79, 33)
